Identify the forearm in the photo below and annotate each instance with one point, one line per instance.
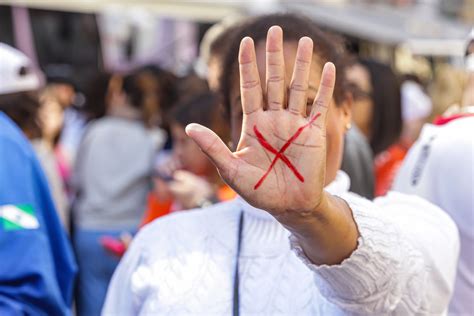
(397, 268)
(328, 234)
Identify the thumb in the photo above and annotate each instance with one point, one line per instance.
(212, 146)
(182, 175)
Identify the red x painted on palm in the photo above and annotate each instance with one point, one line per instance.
(280, 153)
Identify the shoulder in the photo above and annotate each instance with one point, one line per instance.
(106, 130)
(442, 140)
(439, 161)
(418, 217)
(126, 129)
(98, 125)
(188, 229)
(455, 136)
(417, 206)
(408, 214)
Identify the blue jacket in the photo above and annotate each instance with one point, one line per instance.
(37, 267)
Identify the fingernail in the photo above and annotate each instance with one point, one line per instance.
(193, 127)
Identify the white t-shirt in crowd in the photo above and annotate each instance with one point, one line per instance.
(184, 263)
(440, 168)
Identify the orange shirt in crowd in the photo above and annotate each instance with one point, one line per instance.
(387, 164)
(157, 208)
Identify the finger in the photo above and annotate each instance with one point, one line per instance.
(177, 189)
(250, 88)
(180, 175)
(326, 88)
(212, 146)
(300, 78)
(275, 68)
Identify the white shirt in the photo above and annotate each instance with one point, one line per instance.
(440, 168)
(184, 263)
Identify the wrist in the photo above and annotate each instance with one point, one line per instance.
(299, 221)
(330, 234)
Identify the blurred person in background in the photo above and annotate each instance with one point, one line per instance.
(286, 245)
(358, 158)
(468, 95)
(416, 109)
(42, 123)
(76, 121)
(181, 179)
(377, 112)
(51, 119)
(189, 180)
(112, 177)
(61, 85)
(37, 267)
(358, 162)
(161, 89)
(159, 86)
(212, 49)
(97, 95)
(175, 90)
(439, 167)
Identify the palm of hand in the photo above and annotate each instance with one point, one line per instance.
(279, 159)
(280, 162)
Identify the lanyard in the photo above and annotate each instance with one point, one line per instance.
(236, 294)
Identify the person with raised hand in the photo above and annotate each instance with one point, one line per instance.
(291, 199)
(295, 242)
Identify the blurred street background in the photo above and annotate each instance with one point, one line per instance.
(426, 37)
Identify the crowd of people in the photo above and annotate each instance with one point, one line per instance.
(289, 178)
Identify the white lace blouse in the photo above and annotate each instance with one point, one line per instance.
(184, 263)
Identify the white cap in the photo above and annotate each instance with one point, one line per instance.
(17, 73)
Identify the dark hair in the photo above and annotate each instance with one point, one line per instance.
(327, 47)
(387, 111)
(152, 90)
(22, 108)
(167, 86)
(203, 109)
(95, 93)
(132, 86)
(189, 86)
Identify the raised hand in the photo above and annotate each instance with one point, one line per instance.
(280, 162)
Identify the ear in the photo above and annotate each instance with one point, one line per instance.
(346, 109)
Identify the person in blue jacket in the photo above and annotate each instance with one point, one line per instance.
(37, 267)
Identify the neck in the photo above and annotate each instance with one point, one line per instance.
(124, 111)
